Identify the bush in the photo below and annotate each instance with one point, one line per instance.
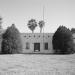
(63, 41)
(11, 41)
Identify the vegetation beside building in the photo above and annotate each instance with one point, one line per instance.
(11, 42)
(63, 41)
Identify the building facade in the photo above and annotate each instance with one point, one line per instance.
(37, 42)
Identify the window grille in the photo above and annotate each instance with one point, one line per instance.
(46, 46)
(27, 45)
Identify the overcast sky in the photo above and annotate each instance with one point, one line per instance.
(57, 12)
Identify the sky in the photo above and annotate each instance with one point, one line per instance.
(56, 13)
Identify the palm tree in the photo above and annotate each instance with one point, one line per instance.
(41, 25)
(32, 24)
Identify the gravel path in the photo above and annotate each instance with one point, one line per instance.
(21, 64)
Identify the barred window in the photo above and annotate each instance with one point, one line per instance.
(46, 46)
(27, 45)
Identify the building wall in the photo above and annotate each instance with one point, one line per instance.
(41, 38)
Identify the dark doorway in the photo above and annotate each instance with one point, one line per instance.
(36, 47)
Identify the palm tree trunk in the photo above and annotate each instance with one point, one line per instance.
(40, 30)
(33, 31)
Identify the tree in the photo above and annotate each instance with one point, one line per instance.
(11, 41)
(32, 24)
(63, 41)
(0, 22)
(41, 25)
(73, 30)
(1, 31)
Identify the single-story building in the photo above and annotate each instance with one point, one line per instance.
(37, 42)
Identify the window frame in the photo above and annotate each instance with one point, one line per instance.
(46, 46)
(27, 45)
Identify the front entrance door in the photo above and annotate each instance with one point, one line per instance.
(36, 47)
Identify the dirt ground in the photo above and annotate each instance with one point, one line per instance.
(24, 64)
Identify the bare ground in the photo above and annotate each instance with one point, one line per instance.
(21, 64)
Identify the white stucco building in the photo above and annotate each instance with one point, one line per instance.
(37, 42)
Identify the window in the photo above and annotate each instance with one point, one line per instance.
(34, 35)
(29, 36)
(24, 36)
(48, 36)
(27, 45)
(46, 46)
(39, 35)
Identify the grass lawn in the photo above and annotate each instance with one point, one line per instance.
(21, 64)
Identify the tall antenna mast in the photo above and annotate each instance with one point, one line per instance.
(43, 17)
(43, 12)
(43, 26)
